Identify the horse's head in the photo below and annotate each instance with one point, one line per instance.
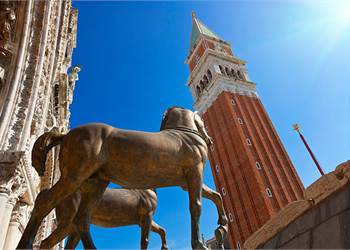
(179, 117)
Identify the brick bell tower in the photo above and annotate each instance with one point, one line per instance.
(250, 166)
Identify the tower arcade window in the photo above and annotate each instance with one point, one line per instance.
(238, 245)
(249, 142)
(228, 73)
(212, 147)
(205, 80)
(233, 73)
(198, 90)
(240, 121)
(268, 192)
(240, 75)
(222, 70)
(210, 76)
(217, 168)
(201, 83)
(233, 102)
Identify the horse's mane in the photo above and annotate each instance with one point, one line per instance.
(175, 106)
(166, 113)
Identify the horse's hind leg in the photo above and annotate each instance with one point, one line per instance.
(65, 213)
(215, 197)
(194, 185)
(92, 192)
(44, 203)
(162, 233)
(145, 224)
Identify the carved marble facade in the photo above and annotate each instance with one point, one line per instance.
(36, 88)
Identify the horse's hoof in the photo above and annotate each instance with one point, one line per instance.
(223, 220)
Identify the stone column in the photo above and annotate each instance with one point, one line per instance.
(7, 171)
(18, 220)
(4, 196)
(13, 236)
(5, 221)
(12, 187)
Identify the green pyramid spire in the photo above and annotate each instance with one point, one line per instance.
(199, 28)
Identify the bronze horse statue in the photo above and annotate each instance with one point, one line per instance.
(175, 156)
(118, 207)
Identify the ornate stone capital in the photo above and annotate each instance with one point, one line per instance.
(12, 181)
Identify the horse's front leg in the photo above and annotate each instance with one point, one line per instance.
(44, 203)
(215, 197)
(65, 213)
(194, 185)
(146, 222)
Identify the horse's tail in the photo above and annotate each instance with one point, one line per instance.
(41, 147)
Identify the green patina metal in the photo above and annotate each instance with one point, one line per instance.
(199, 28)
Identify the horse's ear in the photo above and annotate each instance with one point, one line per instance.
(198, 120)
(162, 124)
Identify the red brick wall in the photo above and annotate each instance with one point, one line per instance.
(199, 52)
(246, 198)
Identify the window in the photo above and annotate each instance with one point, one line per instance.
(249, 142)
(228, 73)
(198, 90)
(210, 76)
(230, 217)
(233, 102)
(233, 73)
(221, 69)
(269, 193)
(257, 164)
(223, 191)
(240, 75)
(240, 121)
(205, 80)
(201, 83)
(238, 245)
(217, 168)
(212, 147)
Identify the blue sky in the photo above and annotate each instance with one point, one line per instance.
(132, 56)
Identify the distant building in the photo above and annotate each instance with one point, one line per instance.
(36, 43)
(251, 168)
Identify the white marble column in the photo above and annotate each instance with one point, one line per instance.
(13, 236)
(3, 200)
(5, 221)
(18, 221)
